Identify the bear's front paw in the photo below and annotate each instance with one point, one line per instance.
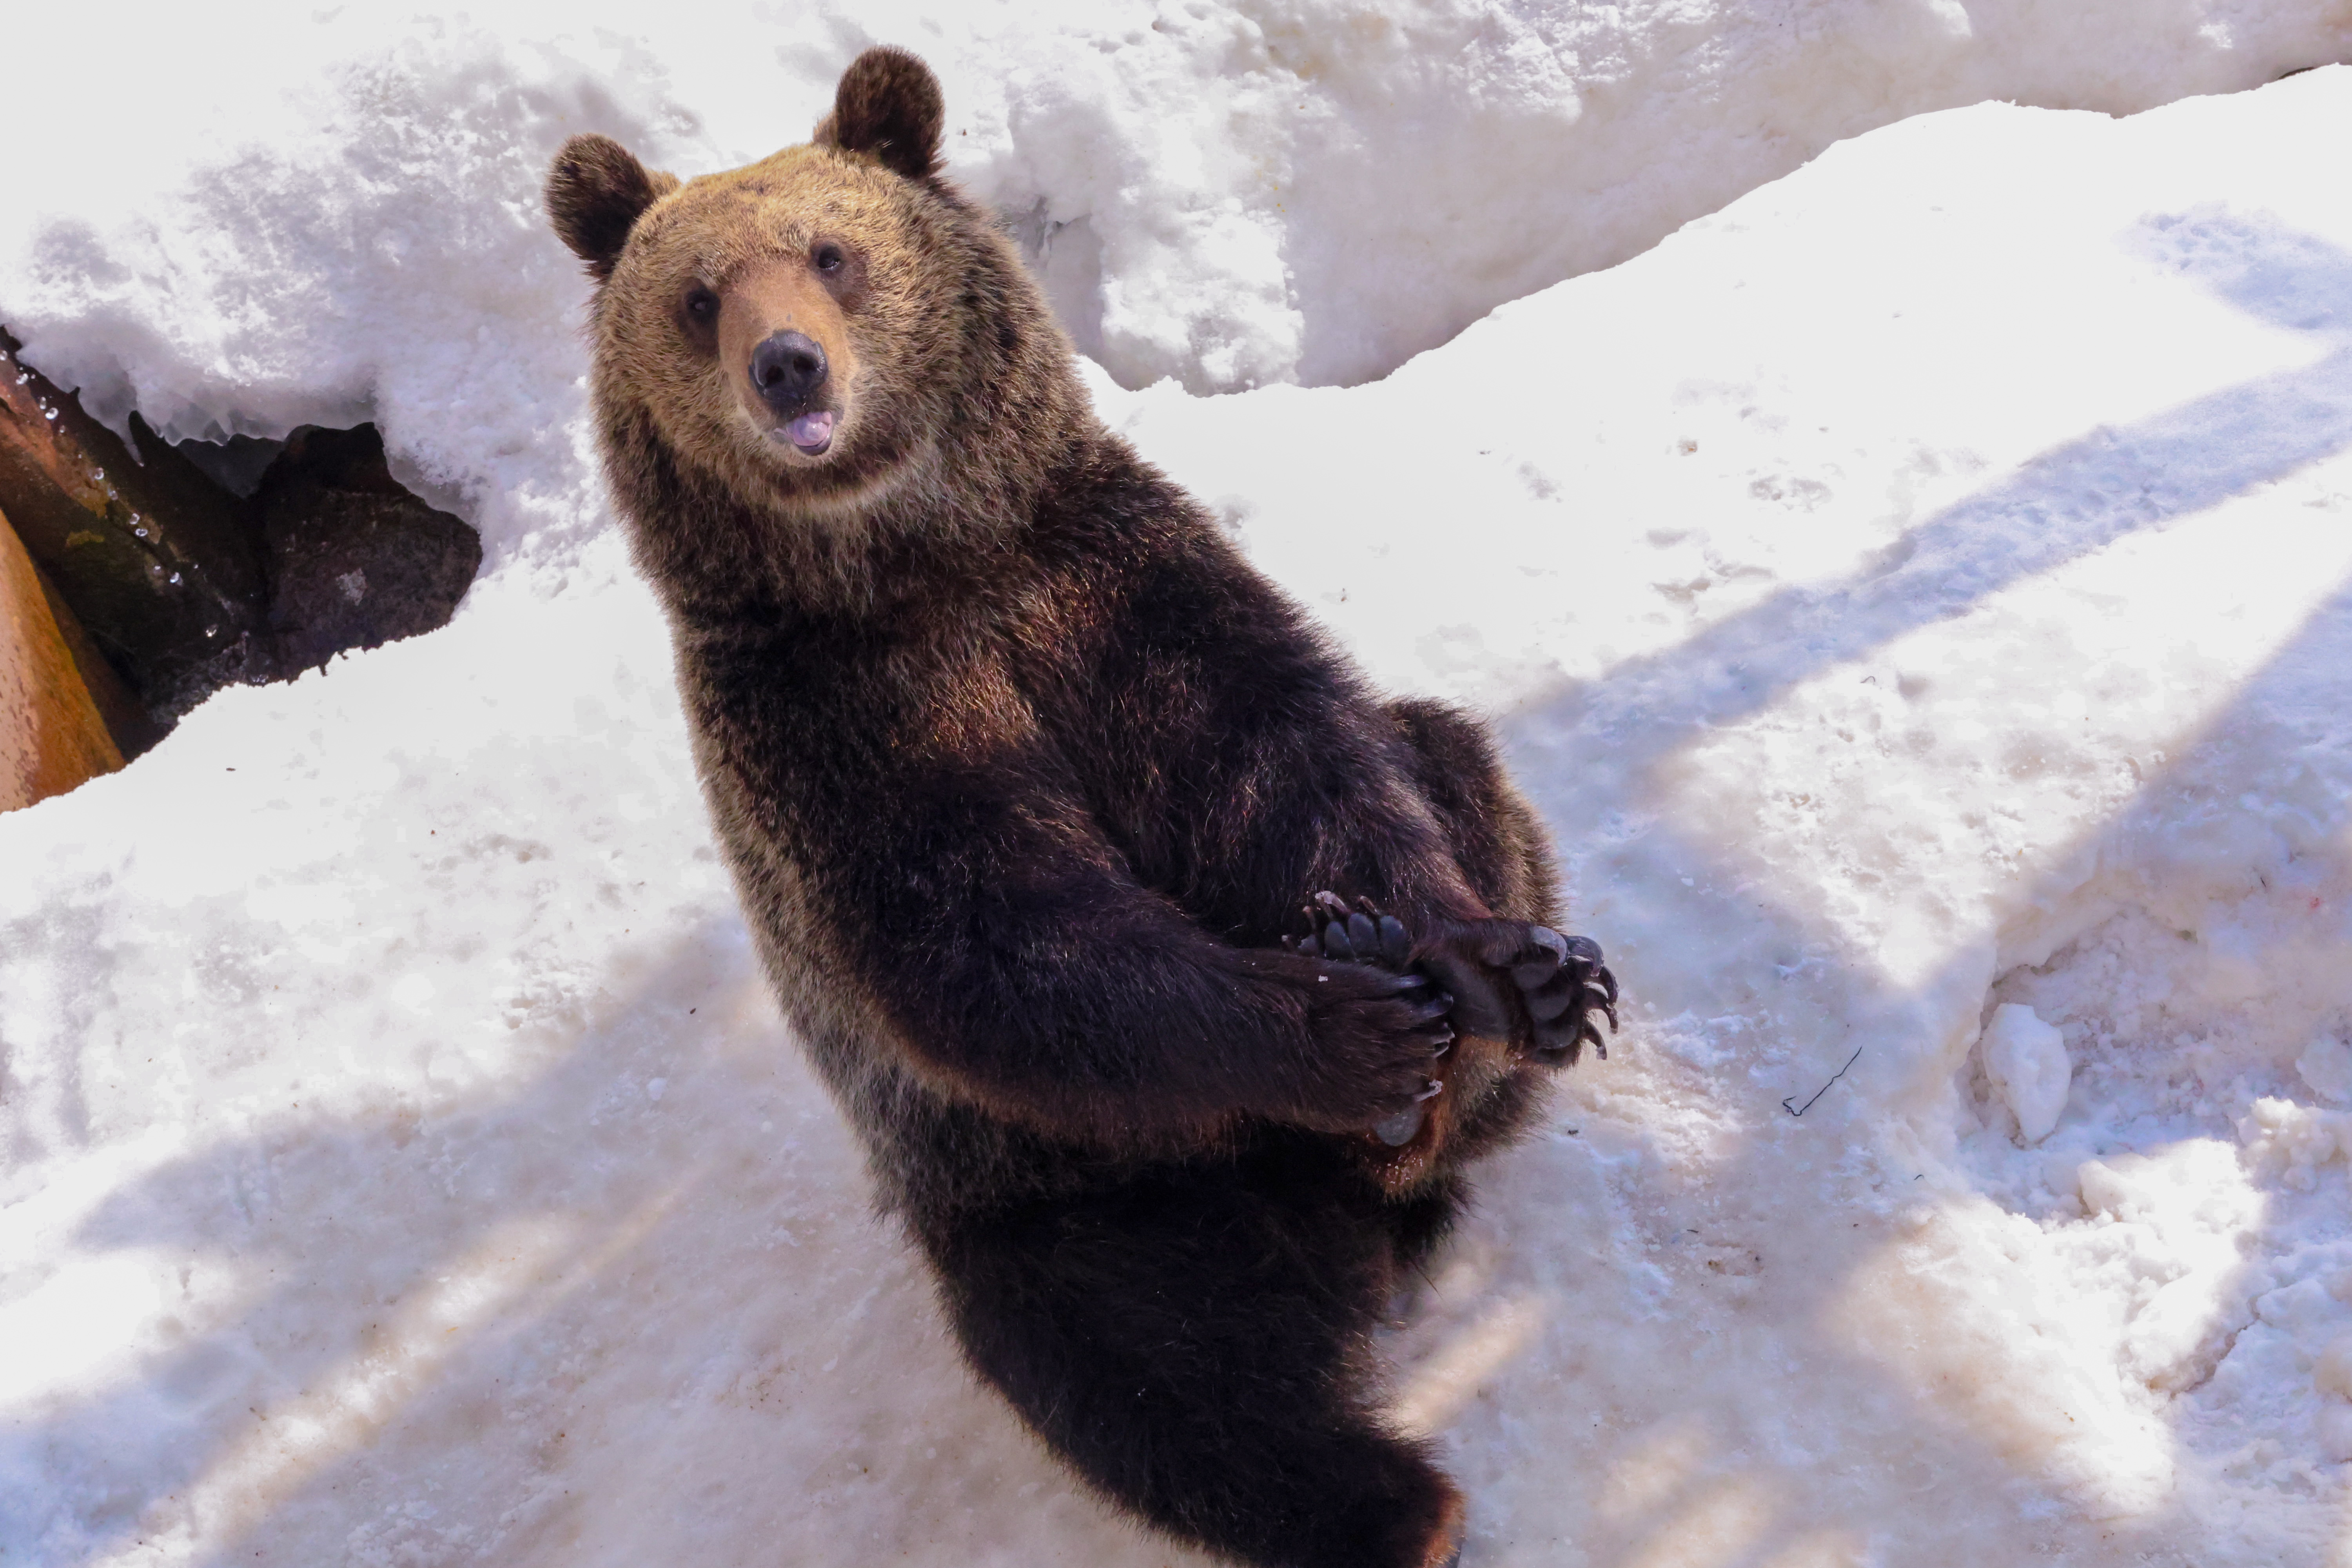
(1524, 983)
(1381, 1024)
(1366, 936)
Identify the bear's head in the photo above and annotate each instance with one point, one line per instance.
(814, 331)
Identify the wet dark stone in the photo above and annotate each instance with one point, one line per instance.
(354, 559)
(237, 464)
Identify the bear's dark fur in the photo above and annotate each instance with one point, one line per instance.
(1023, 775)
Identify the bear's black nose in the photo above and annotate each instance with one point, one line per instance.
(788, 368)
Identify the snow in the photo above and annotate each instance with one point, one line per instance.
(1919, 590)
(2326, 1066)
(2025, 1061)
(1234, 193)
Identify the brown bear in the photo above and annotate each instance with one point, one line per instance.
(1023, 773)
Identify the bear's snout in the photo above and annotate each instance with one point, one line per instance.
(788, 369)
(787, 355)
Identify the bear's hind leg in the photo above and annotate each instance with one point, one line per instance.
(1195, 1343)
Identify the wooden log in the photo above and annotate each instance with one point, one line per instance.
(163, 566)
(127, 719)
(52, 736)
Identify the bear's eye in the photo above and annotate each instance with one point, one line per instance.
(701, 304)
(827, 257)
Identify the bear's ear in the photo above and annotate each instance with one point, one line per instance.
(596, 191)
(889, 104)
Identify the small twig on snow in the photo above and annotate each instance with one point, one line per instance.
(1801, 1109)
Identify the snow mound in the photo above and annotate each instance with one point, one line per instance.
(1231, 195)
(1921, 589)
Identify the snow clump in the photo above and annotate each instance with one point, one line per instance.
(2026, 1061)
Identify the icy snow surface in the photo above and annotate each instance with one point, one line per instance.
(1924, 586)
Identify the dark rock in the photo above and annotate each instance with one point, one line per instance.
(354, 560)
(237, 464)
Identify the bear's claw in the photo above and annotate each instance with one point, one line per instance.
(1562, 980)
(1562, 997)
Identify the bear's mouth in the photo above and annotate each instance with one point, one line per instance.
(811, 434)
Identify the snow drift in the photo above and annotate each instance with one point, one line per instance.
(1233, 195)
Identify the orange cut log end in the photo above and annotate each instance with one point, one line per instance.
(52, 736)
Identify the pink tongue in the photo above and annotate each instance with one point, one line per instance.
(812, 429)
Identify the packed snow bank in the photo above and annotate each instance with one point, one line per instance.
(1922, 589)
(331, 213)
